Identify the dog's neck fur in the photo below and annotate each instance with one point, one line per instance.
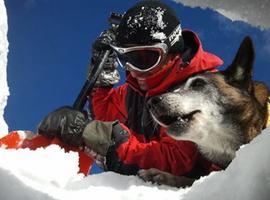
(221, 148)
(219, 142)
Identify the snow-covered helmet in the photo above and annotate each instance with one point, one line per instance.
(149, 22)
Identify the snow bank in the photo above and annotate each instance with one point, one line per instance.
(256, 13)
(51, 174)
(4, 91)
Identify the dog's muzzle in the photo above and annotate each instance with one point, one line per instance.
(164, 116)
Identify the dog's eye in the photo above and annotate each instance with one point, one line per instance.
(198, 83)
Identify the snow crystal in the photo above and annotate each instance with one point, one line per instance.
(160, 22)
(158, 35)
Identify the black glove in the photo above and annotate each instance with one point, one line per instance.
(102, 43)
(66, 123)
(72, 128)
(110, 75)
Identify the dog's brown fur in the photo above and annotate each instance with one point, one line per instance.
(252, 109)
(242, 113)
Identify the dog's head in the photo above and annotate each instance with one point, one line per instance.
(219, 110)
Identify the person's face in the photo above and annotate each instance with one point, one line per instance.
(141, 77)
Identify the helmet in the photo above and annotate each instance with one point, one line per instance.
(149, 22)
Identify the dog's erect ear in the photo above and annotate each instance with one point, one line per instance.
(261, 93)
(240, 71)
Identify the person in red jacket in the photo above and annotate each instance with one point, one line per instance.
(157, 55)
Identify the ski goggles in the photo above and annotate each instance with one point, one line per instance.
(141, 58)
(144, 58)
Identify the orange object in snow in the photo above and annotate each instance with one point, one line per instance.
(27, 139)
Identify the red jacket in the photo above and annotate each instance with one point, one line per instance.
(145, 144)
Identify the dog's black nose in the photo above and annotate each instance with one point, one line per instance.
(153, 101)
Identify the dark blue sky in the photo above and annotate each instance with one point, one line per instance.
(50, 47)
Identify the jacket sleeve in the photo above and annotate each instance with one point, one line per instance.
(128, 155)
(108, 104)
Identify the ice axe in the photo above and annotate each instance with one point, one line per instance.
(95, 71)
(90, 83)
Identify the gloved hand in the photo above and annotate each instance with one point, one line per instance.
(103, 41)
(110, 75)
(65, 123)
(72, 128)
(99, 137)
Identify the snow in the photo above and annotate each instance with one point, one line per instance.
(52, 174)
(256, 13)
(4, 91)
(158, 35)
(156, 17)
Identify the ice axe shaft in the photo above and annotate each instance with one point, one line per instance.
(90, 83)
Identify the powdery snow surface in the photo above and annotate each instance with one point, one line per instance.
(51, 174)
(256, 13)
(4, 91)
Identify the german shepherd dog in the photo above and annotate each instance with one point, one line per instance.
(217, 111)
